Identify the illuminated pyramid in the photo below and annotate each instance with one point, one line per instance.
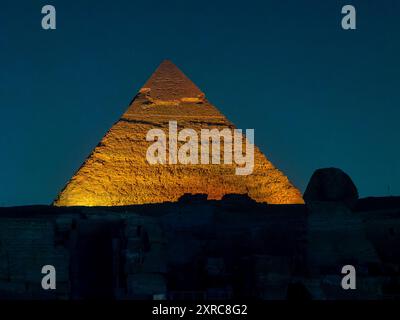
(117, 172)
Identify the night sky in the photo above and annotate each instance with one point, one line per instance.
(316, 95)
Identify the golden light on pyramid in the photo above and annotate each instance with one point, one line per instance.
(117, 173)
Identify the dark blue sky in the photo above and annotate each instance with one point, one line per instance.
(316, 95)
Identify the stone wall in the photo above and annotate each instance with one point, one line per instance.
(199, 249)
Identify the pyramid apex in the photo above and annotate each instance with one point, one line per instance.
(168, 82)
(167, 61)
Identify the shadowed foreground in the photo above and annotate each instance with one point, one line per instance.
(203, 249)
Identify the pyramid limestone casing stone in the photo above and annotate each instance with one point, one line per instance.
(117, 172)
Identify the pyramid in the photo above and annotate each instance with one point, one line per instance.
(117, 173)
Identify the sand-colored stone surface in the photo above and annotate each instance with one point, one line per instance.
(117, 172)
